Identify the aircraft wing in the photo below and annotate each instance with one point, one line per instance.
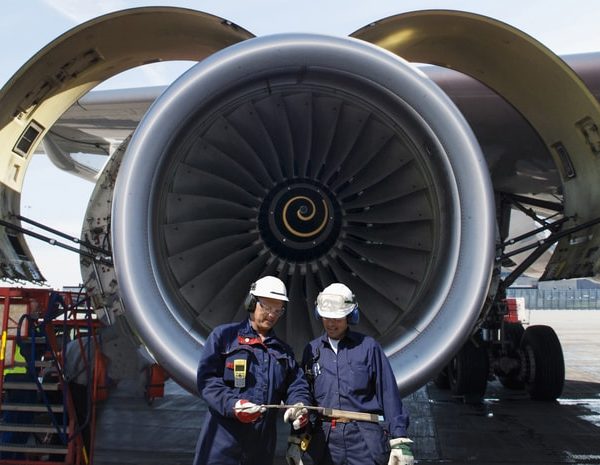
(100, 120)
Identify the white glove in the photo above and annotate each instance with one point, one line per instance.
(401, 453)
(248, 412)
(297, 415)
(293, 456)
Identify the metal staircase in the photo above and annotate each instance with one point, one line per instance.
(39, 420)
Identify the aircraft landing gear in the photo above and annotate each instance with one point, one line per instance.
(529, 359)
(509, 365)
(468, 371)
(543, 370)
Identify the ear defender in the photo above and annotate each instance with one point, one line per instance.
(250, 300)
(354, 316)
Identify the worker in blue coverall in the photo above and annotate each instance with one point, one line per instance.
(349, 371)
(244, 367)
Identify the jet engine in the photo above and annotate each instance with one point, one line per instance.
(315, 159)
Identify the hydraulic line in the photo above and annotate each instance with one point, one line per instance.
(542, 246)
(102, 256)
(62, 234)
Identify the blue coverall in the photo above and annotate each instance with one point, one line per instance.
(272, 375)
(358, 378)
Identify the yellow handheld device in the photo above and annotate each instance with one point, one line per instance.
(239, 373)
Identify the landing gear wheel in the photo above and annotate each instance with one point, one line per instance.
(468, 371)
(544, 363)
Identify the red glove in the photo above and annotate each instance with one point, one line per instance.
(248, 412)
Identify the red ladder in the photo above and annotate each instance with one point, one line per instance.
(30, 426)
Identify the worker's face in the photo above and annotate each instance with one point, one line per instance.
(335, 327)
(266, 314)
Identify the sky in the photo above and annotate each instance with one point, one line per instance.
(59, 200)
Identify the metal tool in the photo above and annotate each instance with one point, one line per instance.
(332, 412)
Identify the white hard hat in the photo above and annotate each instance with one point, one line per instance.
(335, 301)
(269, 286)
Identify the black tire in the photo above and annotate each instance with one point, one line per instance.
(468, 371)
(441, 380)
(544, 363)
(513, 332)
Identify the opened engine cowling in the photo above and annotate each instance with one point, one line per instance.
(315, 159)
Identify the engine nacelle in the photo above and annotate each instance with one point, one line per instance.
(316, 159)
